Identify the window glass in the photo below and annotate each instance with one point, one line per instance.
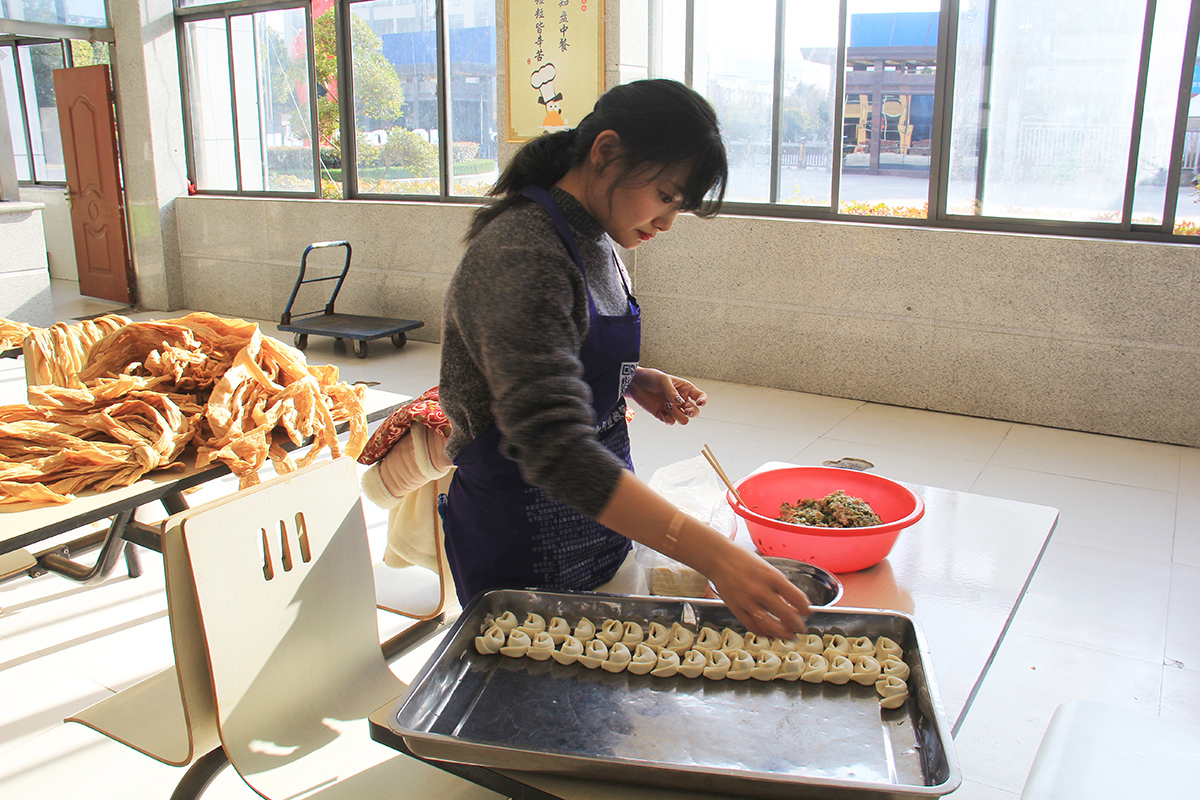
(734, 68)
(1061, 102)
(472, 98)
(89, 13)
(211, 104)
(887, 126)
(394, 50)
(86, 54)
(270, 68)
(1187, 209)
(38, 63)
(809, 92)
(967, 128)
(1158, 114)
(16, 120)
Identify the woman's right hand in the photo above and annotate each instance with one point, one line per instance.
(759, 595)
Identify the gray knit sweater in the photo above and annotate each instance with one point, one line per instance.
(515, 318)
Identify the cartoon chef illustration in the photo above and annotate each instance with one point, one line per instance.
(543, 80)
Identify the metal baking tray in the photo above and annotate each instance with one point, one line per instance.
(775, 739)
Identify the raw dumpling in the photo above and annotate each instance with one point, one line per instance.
(657, 636)
(810, 644)
(632, 634)
(791, 666)
(611, 631)
(716, 665)
(666, 665)
(534, 623)
(731, 640)
(766, 666)
(709, 639)
(784, 646)
(507, 622)
(885, 647)
(559, 630)
(693, 664)
(569, 651)
(681, 639)
(618, 658)
(518, 644)
(894, 667)
(594, 653)
(490, 641)
(860, 646)
(754, 644)
(835, 645)
(866, 670)
(643, 660)
(892, 691)
(840, 670)
(741, 664)
(585, 630)
(541, 648)
(815, 668)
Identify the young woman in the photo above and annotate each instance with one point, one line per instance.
(540, 348)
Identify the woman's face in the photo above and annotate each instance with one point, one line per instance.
(638, 207)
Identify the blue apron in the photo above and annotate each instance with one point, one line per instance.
(501, 532)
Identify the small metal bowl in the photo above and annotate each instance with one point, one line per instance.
(821, 587)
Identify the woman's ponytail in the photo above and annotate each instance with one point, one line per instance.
(539, 162)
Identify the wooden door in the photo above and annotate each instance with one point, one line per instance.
(89, 136)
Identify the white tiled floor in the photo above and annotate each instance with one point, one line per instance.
(1113, 612)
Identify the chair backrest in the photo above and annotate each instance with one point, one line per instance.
(283, 582)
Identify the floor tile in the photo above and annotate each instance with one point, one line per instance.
(1106, 516)
(1029, 679)
(1189, 471)
(1110, 459)
(1099, 600)
(38, 696)
(1183, 619)
(1181, 695)
(908, 466)
(927, 432)
(795, 412)
(1187, 530)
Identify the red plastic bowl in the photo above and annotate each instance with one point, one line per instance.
(835, 549)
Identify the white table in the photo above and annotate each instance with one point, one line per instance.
(960, 571)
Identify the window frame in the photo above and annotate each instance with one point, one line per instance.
(15, 44)
(225, 11)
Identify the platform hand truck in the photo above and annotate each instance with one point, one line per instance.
(326, 322)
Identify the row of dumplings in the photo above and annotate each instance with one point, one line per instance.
(619, 646)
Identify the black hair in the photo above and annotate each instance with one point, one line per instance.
(661, 123)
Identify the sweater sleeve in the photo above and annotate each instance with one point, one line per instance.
(519, 313)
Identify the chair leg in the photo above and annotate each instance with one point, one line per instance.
(200, 774)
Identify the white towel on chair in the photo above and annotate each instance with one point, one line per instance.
(414, 528)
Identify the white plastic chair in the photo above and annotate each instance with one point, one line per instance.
(285, 624)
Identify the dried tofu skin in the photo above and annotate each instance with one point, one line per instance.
(137, 396)
(12, 334)
(55, 355)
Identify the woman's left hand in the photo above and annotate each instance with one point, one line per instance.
(668, 398)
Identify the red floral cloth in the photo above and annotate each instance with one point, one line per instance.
(424, 409)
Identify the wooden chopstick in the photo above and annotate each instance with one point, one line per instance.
(716, 465)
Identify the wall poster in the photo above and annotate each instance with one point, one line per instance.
(555, 64)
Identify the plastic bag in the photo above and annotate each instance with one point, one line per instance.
(694, 488)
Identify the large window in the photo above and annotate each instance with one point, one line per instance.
(1067, 117)
(361, 98)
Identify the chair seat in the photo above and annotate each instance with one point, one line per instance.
(1096, 751)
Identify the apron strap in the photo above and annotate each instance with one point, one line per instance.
(540, 196)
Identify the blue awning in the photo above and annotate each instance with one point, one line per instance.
(901, 29)
(419, 48)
